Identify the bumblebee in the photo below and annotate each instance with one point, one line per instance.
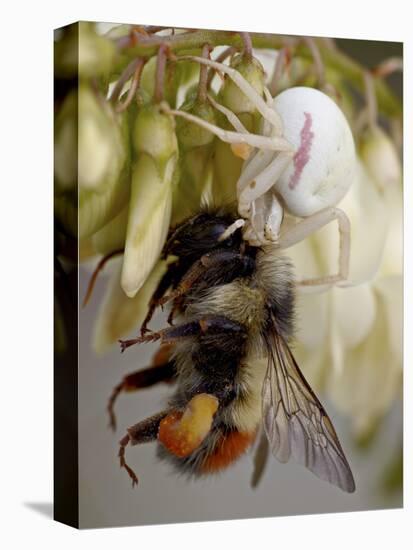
(227, 351)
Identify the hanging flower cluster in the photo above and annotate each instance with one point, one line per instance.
(131, 163)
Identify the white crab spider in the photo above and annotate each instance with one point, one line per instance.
(304, 163)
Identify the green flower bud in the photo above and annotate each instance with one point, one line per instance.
(227, 170)
(81, 52)
(231, 96)
(65, 145)
(195, 167)
(118, 31)
(112, 235)
(154, 135)
(148, 221)
(104, 162)
(195, 175)
(227, 166)
(151, 195)
(147, 82)
(191, 135)
(92, 166)
(65, 164)
(177, 76)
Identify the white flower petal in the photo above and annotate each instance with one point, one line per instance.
(112, 235)
(312, 319)
(312, 363)
(393, 251)
(390, 290)
(354, 313)
(370, 380)
(369, 224)
(305, 257)
(366, 209)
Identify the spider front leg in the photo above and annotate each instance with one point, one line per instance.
(310, 225)
(258, 204)
(271, 140)
(261, 105)
(271, 143)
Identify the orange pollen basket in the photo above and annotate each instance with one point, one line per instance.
(183, 432)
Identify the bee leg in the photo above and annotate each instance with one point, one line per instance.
(140, 379)
(175, 308)
(173, 274)
(187, 281)
(123, 443)
(167, 335)
(207, 324)
(143, 432)
(95, 274)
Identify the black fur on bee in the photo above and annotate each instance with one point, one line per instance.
(225, 293)
(234, 308)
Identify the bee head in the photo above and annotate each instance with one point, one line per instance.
(201, 234)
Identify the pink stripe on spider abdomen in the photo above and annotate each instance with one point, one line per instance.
(302, 156)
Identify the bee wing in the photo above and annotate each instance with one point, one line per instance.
(296, 423)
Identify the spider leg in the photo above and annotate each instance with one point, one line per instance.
(310, 225)
(262, 182)
(258, 161)
(240, 150)
(262, 107)
(232, 117)
(272, 143)
(252, 167)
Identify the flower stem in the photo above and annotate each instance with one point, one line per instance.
(203, 75)
(187, 42)
(160, 73)
(246, 39)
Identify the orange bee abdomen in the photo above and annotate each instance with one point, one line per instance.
(228, 450)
